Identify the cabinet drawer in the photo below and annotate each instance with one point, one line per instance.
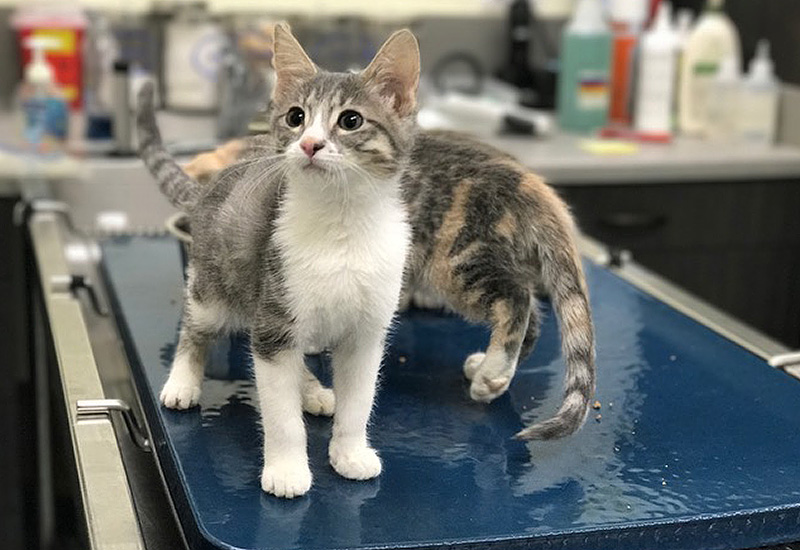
(688, 214)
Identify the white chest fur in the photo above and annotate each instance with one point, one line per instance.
(343, 260)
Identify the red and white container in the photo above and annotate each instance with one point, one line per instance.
(67, 25)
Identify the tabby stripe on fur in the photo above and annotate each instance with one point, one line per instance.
(181, 190)
(562, 276)
(485, 230)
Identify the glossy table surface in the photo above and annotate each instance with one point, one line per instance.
(697, 444)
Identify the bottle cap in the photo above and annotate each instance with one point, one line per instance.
(588, 18)
(663, 20)
(684, 22)
(762, 69)
(716, 5)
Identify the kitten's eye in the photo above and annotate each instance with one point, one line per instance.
(350, 120)
(295, 117)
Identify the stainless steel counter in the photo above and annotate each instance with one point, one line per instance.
(562, 161)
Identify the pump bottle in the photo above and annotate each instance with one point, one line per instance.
(43, 110)
(713, 39)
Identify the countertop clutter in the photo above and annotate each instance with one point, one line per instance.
(562, 158)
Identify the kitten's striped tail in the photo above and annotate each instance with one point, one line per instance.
(181, 190)
(562, 274)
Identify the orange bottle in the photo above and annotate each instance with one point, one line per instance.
(627, 19)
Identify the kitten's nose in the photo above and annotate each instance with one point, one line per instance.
(310, 146)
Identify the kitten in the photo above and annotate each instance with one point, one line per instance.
(302, 244)
(486, 235)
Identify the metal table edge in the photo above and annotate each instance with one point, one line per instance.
(690, 305)
(106, 497)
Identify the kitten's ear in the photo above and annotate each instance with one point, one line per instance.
(290, 61)
(394, 71)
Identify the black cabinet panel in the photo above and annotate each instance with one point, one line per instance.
(17, 416)
(737, 244)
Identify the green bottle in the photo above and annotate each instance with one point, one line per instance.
(584, 82)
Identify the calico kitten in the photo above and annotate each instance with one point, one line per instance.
(486, 235)
(302, 244)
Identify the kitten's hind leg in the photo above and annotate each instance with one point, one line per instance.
(199, 327)
(317, 399)
(532, 332)
(513, 321)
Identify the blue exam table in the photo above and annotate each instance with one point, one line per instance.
(696, 443)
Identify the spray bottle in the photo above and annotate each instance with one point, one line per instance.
(45, 113)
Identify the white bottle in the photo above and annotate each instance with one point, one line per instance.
(724, 110)
(713, 39)
(758, 116)
(655, 88)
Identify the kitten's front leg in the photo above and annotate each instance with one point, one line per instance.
(279, 381)
(355, 372)
(200, 325)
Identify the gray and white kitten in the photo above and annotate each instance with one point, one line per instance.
(303, 247)
(485, 234)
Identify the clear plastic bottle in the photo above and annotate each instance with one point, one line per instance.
(758, 116)
(723, 112)
(43, 110)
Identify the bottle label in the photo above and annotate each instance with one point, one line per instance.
(593, 90)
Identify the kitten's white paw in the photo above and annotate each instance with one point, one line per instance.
(487, 383)
(286, 479)
(355, 462)
(318, 400)
(180, 394)
(488, 388)
(472, 364)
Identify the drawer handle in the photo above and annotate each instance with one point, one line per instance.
(104, 407)
(72, 283)
(633, 221)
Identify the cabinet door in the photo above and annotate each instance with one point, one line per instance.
(735, 244)
(17, 409)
